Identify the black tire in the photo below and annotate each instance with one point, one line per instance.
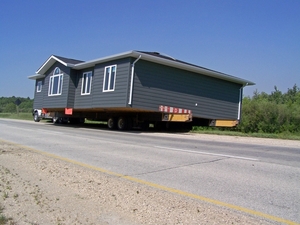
(57, 120)
(111, 123)
(54, 120)
(36, 117)
(122, 123)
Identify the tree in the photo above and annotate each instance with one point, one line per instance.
(276, 96)
(10, 108)
(7, 102)
(26, 106)
(275, 113)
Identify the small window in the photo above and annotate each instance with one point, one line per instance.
(55, 83)
(56, 71)
(86, 83)
(39, 86)
(109, 78)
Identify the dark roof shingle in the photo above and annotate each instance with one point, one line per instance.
(67, 60)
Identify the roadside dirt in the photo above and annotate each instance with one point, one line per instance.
(39, 189)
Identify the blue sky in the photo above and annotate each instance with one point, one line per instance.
(258, 40)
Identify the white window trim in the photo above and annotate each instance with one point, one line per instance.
(82, 83)
(104, 78)
(59, 85)
(39, 86)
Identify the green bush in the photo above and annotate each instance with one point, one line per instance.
(275, 113)
(8, 105)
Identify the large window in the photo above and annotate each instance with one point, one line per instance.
(39, 86)
(109, 78)
(55, 83)
(86, 83)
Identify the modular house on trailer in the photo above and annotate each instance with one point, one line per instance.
(136, 88)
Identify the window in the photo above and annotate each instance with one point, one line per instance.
(39, 86)
(109, 78)
(55, 83)
(86, 83)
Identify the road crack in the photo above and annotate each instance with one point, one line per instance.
(177, 167)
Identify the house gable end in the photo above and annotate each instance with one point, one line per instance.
(40, 73)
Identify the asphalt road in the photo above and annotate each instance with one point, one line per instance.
(257, 177)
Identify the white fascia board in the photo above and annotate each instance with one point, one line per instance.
(36, 76)
(52, 59)
(101, 60)
(46, 64)
(58, 60)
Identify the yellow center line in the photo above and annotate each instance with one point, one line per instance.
(161, 187)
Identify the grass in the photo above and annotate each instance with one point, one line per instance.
(20, 116)
(3, 219)
(94, 122)
(5, 195)
(217, 131)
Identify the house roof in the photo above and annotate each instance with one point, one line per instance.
(50, 61)
(67, 60)
(148, 56)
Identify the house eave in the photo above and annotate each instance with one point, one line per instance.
(36, 76)
(167, 62)
(94, 62)
(144, 56)
(49, 62)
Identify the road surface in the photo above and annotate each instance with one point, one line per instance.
(264, 178)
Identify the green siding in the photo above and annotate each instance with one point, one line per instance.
(118, 97)
(156, 85)
(83, 101)
(59, 101)
(39, 96)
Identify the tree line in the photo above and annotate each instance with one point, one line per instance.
(271, 113)
(12, 104)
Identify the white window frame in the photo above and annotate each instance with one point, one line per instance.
(39, 86)
(86, 84)
(110, 87)
(56, 75)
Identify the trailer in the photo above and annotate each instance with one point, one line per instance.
(136, 89)
(121, 118)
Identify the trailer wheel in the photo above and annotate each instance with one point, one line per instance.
(122, 123)
(36, 117)
(111, 123)
(58, 120)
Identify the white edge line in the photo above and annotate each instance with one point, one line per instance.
(207, 153)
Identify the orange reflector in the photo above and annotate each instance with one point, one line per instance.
(68, 111)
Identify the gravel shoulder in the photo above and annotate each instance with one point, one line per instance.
(38, 189)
